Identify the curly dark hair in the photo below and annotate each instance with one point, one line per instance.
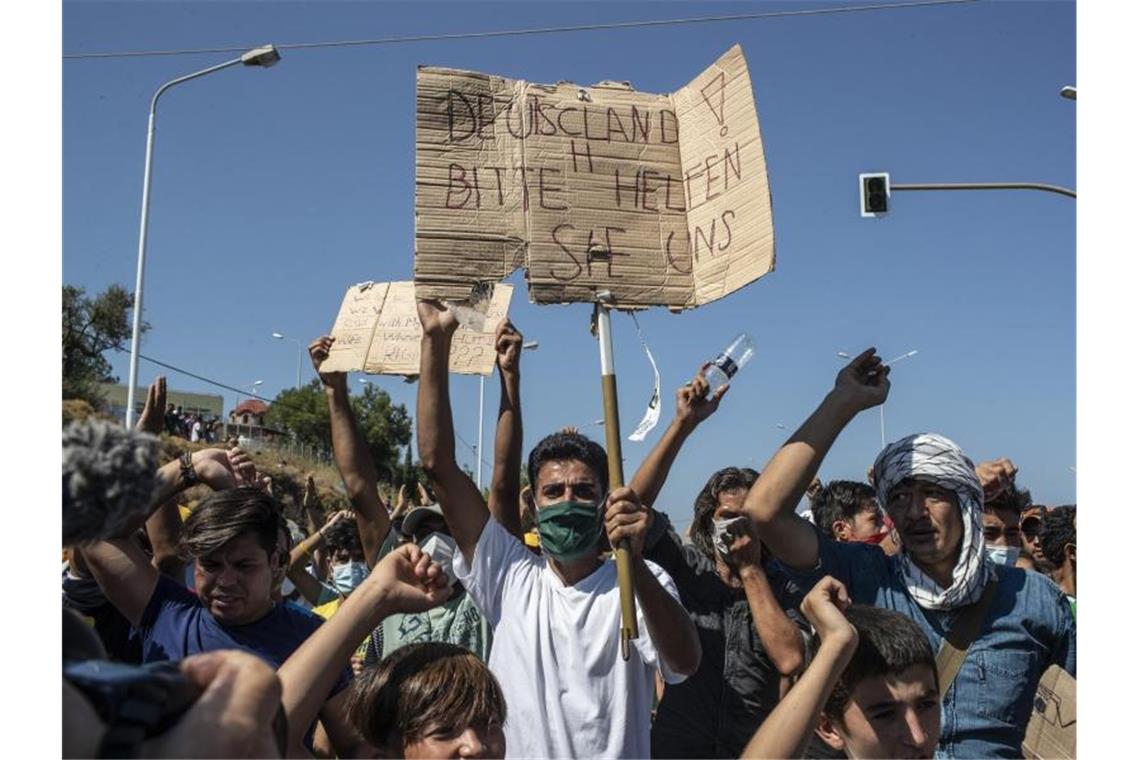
(108, 479)
(1058, 528)
(728, 479)
(559, 446)
(1012, 499)
(344, 534)
(839, 500)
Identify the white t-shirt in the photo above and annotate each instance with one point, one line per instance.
(557, 653)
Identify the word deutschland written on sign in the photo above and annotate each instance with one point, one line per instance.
(661, 199)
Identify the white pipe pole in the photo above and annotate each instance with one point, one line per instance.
(479, 441)
(136, 318)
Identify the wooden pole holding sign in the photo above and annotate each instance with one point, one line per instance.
(617, 476)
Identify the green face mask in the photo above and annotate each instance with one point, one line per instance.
(569, 529)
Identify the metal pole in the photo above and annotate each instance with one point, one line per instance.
(479, 442)
(987, 186)
(136, 318)
(617, 476)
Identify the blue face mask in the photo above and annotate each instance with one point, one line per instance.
(348, 576)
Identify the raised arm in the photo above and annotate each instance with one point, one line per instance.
(404, 581)
(353, 460)
(672, 632)
(773, 497)
(120, 566)
(164, 526)
(504, 497)
(463, 506)
(788, 728)
(306, 582)
(692, 409)
(164, 530)
(778, 633)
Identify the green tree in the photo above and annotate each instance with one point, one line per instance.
(91, 326)
(304, 412)
(385, 427)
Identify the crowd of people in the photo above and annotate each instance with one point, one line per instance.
(192, 426)
(909, 614)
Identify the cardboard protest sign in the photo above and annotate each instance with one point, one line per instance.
(661, 199)
(1052, 729)
(378, 331)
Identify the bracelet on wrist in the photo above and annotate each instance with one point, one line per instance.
(186, 469)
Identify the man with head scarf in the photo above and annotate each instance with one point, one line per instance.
(932, 493)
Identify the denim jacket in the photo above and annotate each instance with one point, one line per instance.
(716, 710)
(1027, 628)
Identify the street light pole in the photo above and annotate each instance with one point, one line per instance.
(279, 336)
(264, 56)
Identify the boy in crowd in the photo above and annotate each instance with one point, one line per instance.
(1001, 521)
(239, 543)
(458, 620)
(405, 580)
(556, 618)
(1059, 544)
(846, 510)
(871, 689)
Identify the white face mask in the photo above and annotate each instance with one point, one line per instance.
(1003, 555)
(441, 549)
(725, 533)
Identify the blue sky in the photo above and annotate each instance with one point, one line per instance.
(274, 190)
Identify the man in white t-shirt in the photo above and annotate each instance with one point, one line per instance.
(556, 618)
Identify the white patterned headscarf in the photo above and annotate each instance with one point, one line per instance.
(937, 459)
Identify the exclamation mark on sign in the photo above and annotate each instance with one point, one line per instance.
(713, 93)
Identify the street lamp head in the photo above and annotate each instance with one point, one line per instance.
(530, 345)
(1069, 92)
(257, 382)
(264, 56)
(279, 336)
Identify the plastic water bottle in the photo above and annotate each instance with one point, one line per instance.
(729, 361)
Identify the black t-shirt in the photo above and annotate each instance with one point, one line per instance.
(715, 711)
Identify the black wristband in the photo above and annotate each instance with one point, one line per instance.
(186, 469)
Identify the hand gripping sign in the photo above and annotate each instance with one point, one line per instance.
(378, 331)
(604, 195)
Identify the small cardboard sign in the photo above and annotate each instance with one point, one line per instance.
(1052, 729)
(378, 331)
(660, 199)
